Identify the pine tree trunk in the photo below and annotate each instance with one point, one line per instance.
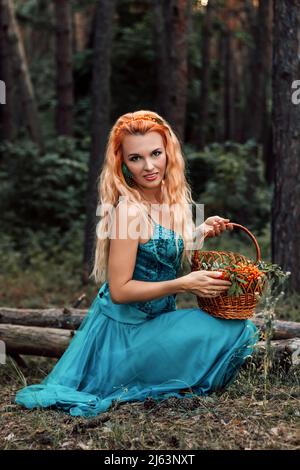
(100, 120)
(229, 89)
(6, 109)
(260, 69)
(286, 118)
(82, 26)
(64, 73)
(79, 28)
(172, 22)
(219, 132)
(205, 76)
(22, 74)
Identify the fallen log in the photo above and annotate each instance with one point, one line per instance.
(35, 340)
(68, 318)
(283, 353)
(71, 318)
(282, 329)
(52, 342)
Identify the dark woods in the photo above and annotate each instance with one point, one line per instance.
(220, 72)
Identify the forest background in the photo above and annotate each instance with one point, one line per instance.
(221, 72)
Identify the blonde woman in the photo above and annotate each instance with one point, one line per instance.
(134, 343)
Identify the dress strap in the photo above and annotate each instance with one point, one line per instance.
(151, 218)
(146, 212)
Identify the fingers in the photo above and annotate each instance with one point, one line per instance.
(207, 296)
(217, 226)
(210, 294)
(220, 225)
(217, 289)
(214, 279)
(210, 291)
(221, 283)
(216, 275)
(209, 232)
(209, 283)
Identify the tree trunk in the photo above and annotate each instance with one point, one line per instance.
(64, 73)
(219, 132)
(100, 120)
(205, 76)
(52, 342)
(229, 88)
(286, 135)
(79, 28)
(230, 16)
(172, 23)
(82, 25)
(260, 71)
(268, 152)
(22, 74)
(71, 318)
(6, 110)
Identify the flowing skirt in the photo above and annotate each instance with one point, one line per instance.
(114, 358)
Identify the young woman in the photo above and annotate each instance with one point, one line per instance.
(133, 342)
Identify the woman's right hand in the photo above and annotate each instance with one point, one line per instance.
(205, 283)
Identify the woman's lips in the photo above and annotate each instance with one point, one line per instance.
(151, 177)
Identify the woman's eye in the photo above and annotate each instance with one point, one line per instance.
(157, 152)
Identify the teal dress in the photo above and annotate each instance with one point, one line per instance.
(128, 352)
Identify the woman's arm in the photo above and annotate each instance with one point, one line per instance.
(211, 227)
(122, 260)
(121, 264)
(199, 236)
(141, 291)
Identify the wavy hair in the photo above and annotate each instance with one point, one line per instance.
(112, 186)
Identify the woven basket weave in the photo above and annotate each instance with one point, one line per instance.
(224, 306)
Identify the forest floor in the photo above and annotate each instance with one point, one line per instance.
(257, 411)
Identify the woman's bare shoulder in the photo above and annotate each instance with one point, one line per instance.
(130, 219)
(128, 208)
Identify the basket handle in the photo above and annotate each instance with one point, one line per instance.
(258, 255)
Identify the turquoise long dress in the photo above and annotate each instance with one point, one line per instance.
(128, 352)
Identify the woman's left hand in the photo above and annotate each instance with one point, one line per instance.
(215, 225)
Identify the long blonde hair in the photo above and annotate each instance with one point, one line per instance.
(112, 184)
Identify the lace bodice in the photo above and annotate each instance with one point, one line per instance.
(158, 260)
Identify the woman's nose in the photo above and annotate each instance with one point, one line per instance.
(149, 165)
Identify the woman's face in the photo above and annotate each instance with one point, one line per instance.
(145, 155)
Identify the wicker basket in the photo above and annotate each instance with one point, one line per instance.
(224, 306)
